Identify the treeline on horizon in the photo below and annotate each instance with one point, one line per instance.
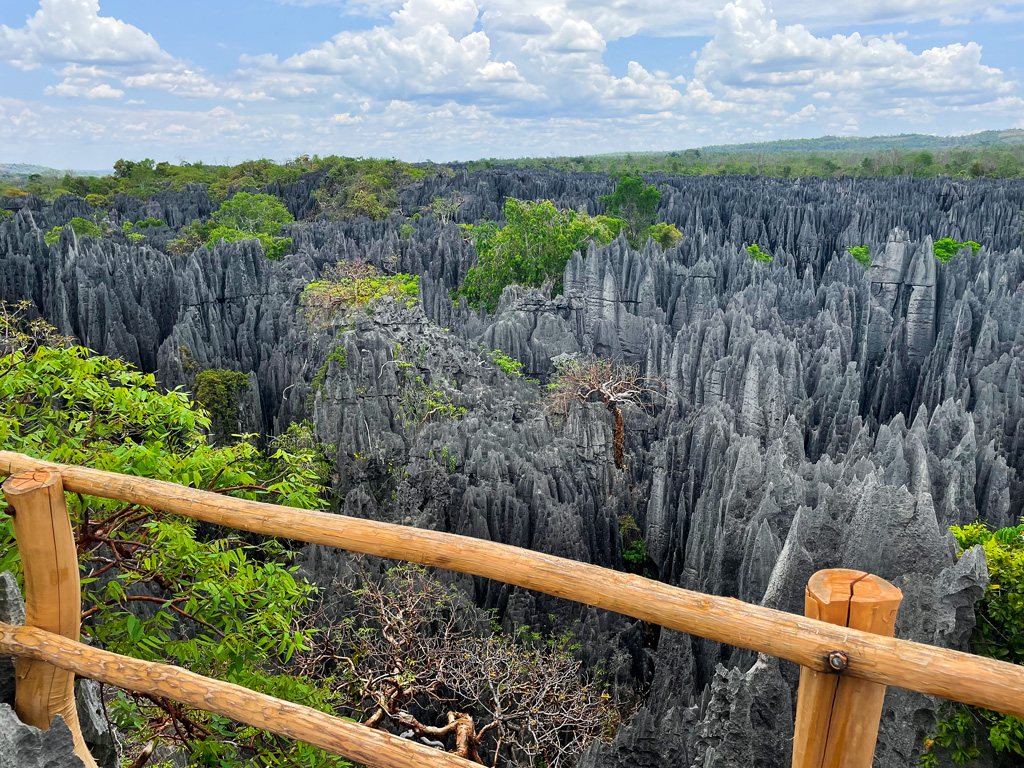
(1005, 162)
(372, 181)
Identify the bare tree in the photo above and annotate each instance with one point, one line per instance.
(445, 208)
(612, 383)
(412, 650)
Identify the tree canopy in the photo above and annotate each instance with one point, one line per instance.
(636, 203)
(531, 249)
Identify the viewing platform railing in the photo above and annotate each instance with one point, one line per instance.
(843, 645)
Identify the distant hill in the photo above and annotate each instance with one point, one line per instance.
(24, 170)
(903, 141)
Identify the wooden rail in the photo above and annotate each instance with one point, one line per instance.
(368, 746)
(937, 671)
(812, 643)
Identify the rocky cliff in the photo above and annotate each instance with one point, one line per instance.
(815, 414)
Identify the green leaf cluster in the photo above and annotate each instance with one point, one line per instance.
(217, 391)
(245, 216)
(861, 253)
(666, 235)
(368, 187)
(338, 356)
(81, 227)
(946, 248)
(532, 248)
(634, 547)
(636, 204)
(350, 286)
(228, 602)
(756, 254)
(418, 402)
(999, 633)
(509, 365)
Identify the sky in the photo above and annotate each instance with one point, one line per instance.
(85, 82)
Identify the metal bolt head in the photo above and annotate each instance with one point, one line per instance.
(837, 661)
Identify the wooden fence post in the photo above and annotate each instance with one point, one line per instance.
(837, 716)
(53, 597)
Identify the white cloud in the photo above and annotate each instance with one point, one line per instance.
(463, 78)
(73, 31)
(180, 82)
(83, 88)
(753, 59)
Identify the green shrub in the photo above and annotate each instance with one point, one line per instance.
(354, 285)
(217, 391)
(509, 365)
(636, 204)
(531, 249)
(967, 731)
(81, 227)
(666, 235)
(244, 217)
(946, 248)
(634, 548)
(419, 402)
(6, 214)
(232, 601)
(861, 253)
(756, 254)
(339, 357)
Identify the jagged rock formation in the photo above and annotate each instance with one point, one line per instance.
(815, 414)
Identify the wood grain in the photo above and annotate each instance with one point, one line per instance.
(53, 598)
(952, 675)
(368, 746)
(837, 715)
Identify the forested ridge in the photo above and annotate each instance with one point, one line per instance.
(791, 374)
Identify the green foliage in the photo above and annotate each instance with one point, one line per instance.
(419, 402)
(861, 253)
(946, 248)
(405, 231)
(634, 548)
(6, 214)
(355, 187)
(756, 254)
(256, 214)
(509, 365)
(350, 286)
(339, 357)
(217, 391)
(97, 201)
(990, 154)
(636, 203)
(229, 603)
(999, 634)
(81, 227)
(244, 217)
(531, 249)
(666, 235)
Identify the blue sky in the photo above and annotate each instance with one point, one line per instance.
(84, 82)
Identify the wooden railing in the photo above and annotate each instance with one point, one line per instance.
(843, 644)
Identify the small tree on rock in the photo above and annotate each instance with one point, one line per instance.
(614, 384)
